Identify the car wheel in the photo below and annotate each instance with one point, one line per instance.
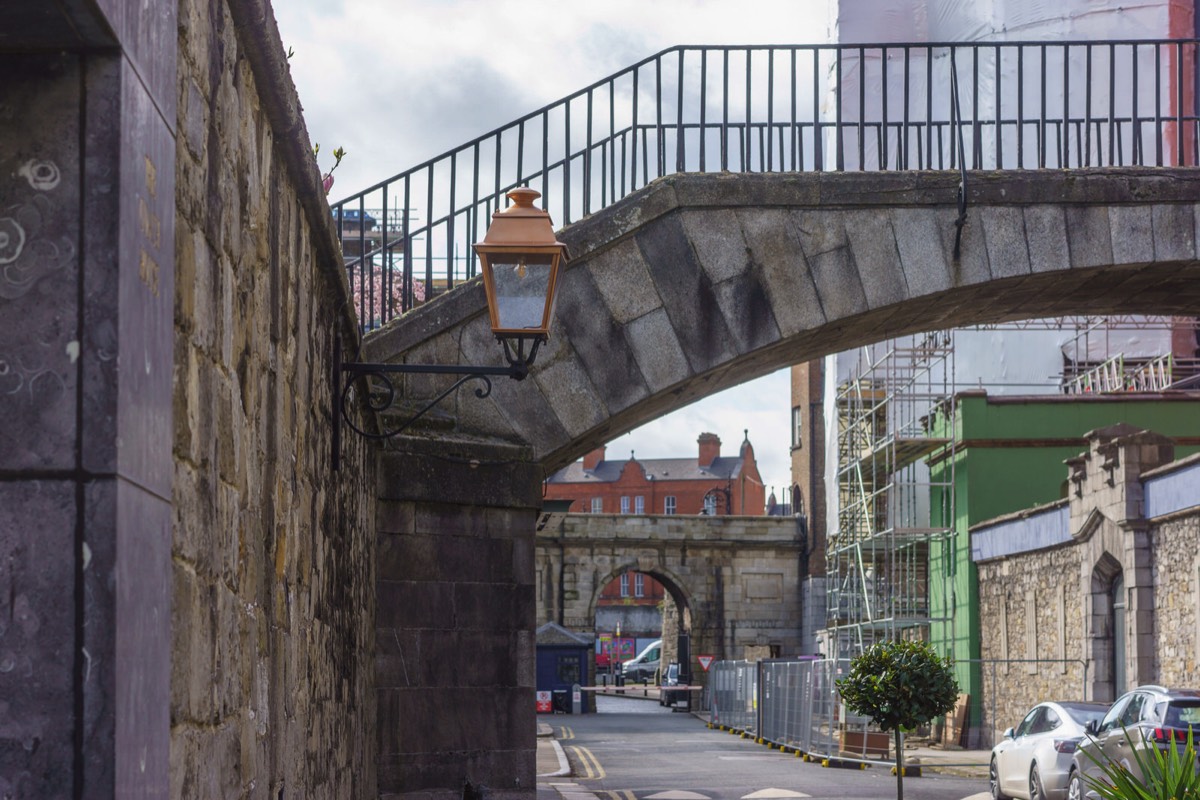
(994, 782)
(1075, 787)
(1035, 784)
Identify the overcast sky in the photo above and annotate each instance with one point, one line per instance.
(396, 82)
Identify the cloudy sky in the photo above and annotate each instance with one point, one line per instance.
(396, 82)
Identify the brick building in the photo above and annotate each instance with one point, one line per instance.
(707, 484)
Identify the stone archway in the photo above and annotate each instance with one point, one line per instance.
(678, 616)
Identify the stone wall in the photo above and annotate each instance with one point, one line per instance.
(1032, 608)
(273, 563)
(1047, 581)
(1176, 570)
(455, 664)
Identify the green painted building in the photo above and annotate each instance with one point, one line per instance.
(1007, 455)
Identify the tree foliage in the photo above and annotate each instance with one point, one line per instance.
(899, 685)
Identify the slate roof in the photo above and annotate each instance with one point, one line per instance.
(552, 633)
(658, 469)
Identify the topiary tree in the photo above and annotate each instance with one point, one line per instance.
(899, 685)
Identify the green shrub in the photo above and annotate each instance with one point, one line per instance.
(899, 685)
(1168, 775)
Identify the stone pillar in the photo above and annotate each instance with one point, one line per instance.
(87, 202)
(455, 637)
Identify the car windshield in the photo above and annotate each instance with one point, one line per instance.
(1083, 713)
(1182, 715)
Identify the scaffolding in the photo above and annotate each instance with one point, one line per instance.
(888, 558)
(879, 581)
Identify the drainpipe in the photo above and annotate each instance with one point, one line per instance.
(562, 568)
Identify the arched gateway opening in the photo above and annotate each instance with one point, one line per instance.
(692, 285)
(633, 609)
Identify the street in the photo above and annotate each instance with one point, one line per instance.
(636, 750)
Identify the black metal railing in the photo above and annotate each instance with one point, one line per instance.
(1019, 105)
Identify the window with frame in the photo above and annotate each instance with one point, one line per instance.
(624, 505)
(639, 585)
(597, 505)
(624, 584)
(669, 504)
(710, 505)
(797, 427)
(639, 505)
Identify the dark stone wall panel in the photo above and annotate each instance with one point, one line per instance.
(37, 638)
(40, 186)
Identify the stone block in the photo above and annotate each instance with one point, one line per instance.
(415, 605)
(1089, 233)
(923, 256)
(716, 238)
(1004, 232)
(826, 247)
(600, 346)
(624, 282)
(775, 248)
(1046, 235)
(687, 293)
(1174, 232)
(1132, 232)
(569, 390)
(873, 243)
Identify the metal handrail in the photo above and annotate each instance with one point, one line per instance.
(772, 108)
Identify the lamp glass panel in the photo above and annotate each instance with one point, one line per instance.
(522, 282)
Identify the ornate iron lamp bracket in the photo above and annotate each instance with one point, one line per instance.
(346, 373)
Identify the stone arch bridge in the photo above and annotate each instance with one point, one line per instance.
(689, 286)
(700, 282)
(735, 580)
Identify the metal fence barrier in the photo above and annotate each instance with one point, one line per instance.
(794, 704)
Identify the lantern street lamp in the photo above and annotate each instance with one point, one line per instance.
(521, 260)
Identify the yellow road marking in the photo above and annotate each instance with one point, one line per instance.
(590, 763)
(566, 733)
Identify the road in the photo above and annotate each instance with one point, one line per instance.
(635, 750)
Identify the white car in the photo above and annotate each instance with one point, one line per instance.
(1033, 762)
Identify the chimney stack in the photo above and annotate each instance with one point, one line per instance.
(710, 448)
(593, 459)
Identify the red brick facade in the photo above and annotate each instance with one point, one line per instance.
(729, 485)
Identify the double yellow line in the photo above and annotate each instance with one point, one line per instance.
(620, 794)
(566, 733)
(590, 763)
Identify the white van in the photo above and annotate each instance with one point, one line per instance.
(643, 667)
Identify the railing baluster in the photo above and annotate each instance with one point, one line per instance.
(748, 157)
(770, 104)
(999, 113)
(725, 111)
(587, 160)
(566, 194)
(1158, 129)
(883, 102)
(1087, 107)
(818, 154)
(703, 107)
(633, 153)
(659, 144)
(793, 131)
(680, 165)
(1066, 139)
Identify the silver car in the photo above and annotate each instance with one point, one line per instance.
(1141, 721)
(1033, 761)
